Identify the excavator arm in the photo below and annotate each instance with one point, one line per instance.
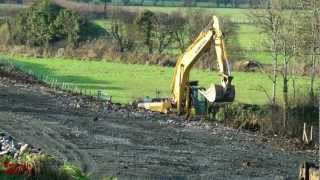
(184, 65)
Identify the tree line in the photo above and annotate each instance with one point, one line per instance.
(187, 3)
(151, 32)
(47, 25)
(293, 38)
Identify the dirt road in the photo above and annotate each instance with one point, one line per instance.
(133, 145)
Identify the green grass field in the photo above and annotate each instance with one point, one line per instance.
(126, 82)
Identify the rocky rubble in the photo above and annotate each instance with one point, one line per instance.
(9, 146)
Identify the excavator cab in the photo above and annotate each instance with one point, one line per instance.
(200, 98)
(198, 102)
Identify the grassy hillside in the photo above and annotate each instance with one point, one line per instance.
(128, 82)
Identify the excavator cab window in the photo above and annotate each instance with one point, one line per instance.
(198, 101)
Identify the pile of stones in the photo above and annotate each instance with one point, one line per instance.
(9, 146)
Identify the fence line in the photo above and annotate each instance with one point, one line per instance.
(52, 82)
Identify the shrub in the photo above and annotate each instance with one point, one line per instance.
(45, 23)
(35, 26)
(5, 35)
(123, 30)
(146, 21)
(68, 25)
(239, 115)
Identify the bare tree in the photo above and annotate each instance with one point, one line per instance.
(270, 19)
(122, 29)
(311, 34)
(178, 27)
(163, 31)
(198, 20)
(146, 22)
(286, 47)
(315, 44)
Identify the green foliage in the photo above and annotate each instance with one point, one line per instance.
(4, 33)
(67, 24)
(110, 178)
(73, 172)
(91, 30)
(45, 167)
(240, 115)
(220, 115)
(123, 29)
(146, 21)
(6, 158)
(35, 26)
(50, 168)
(45, 23)
(11, 177)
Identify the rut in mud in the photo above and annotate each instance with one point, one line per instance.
(133, 145)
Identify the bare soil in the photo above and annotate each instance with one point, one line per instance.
(111, 139)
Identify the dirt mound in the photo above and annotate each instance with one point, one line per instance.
(247, 66)
(11, 72)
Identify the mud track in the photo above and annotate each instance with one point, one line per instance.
(134, 145)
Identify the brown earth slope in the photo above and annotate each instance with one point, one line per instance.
(133, 145)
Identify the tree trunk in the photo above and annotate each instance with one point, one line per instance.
(274, 82)
(313, 72)
(274, 64)
(105, 6)
(180, 41)
(150, 48)
(285, 92)
(313, 54)
(148, 39)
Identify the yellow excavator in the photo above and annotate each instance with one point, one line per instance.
(186, 96)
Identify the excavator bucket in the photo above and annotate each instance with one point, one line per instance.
(216, 93)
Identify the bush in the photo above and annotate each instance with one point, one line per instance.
(4, 31)
(268, 118)
(35, 26)
(123, 30)
(146, 21)
(45, 23)
(246, 116)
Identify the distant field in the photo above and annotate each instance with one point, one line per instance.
(238, 15)
(126, 82)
